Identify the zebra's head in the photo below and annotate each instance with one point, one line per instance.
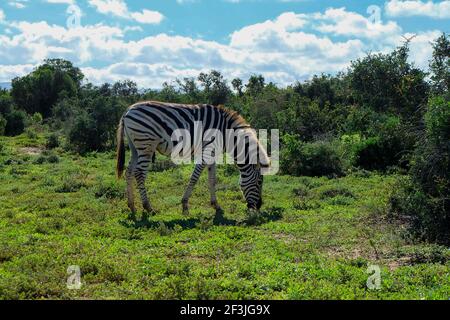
(251, 182)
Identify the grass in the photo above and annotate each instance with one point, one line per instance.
(314, 239)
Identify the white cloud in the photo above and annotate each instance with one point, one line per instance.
(344, 23)
(115, 7)
(8, 72)
(17, 4)
(438, 10)
(120, 9)
(283, 49)
(37, 41)
(147, 17)
(2, 15)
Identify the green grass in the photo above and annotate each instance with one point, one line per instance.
(314, 239)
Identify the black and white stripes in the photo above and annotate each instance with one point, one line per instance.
(149, 127)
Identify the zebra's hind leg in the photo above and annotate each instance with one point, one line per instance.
(212, 180)
(129, 178)
(130, 193)
(192, 182)
(140, 174)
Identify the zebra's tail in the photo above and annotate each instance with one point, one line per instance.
(120, 150)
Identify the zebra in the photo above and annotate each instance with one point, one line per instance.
(149, 126)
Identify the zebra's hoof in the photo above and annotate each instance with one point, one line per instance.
(150, 210)
(132, 210)
(215, 205)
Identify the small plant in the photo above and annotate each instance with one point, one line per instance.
(31, 134)
(71, 183)
(36, 118)
(40, 160)
(301, 191)
(109, 190)
(163, 229)
(53, 158)
(336, 191)
(52, 141)
(46, 158)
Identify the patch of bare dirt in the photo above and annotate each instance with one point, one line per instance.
(32, 151)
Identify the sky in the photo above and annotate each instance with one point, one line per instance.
(157, 41)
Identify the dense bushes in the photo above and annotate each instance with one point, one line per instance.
(15, 122)
(94, 128)
(2, 125)
(425, 196)
(12, 121)
(300, 158)
(389, 144)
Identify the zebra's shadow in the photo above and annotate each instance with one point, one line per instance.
(146, 222)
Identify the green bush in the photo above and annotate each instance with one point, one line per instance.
(36, 118)
(53, 158)
(391, 144)
(31, 133)
(15, 123)
(52, 141)
(46, 158)
(94, 129)
(108, 189)
(425, 197)
(319, 158)
(2, 125)
(428, 217)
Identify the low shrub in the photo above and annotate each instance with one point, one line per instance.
(31, 133)
(52, 141)
(109, 190)
(2, 125)
(15, 123)
(424, 196)
(390, 144)
(313, 159)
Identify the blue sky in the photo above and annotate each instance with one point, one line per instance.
(159, 40)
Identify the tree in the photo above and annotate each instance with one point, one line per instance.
(255, 85)
(215, 87)
(41, 89)
(388, 82)
(65, 67)
(237, 85)
(125, 89)
(189, 87)
(440, 65)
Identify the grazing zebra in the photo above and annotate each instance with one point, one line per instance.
(149, 126)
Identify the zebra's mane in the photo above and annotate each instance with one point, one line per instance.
(233, 115)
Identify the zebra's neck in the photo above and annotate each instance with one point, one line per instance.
(234, 128)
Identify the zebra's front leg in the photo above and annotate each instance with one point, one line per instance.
(212, 180)
(140, 175)
(192, 182)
